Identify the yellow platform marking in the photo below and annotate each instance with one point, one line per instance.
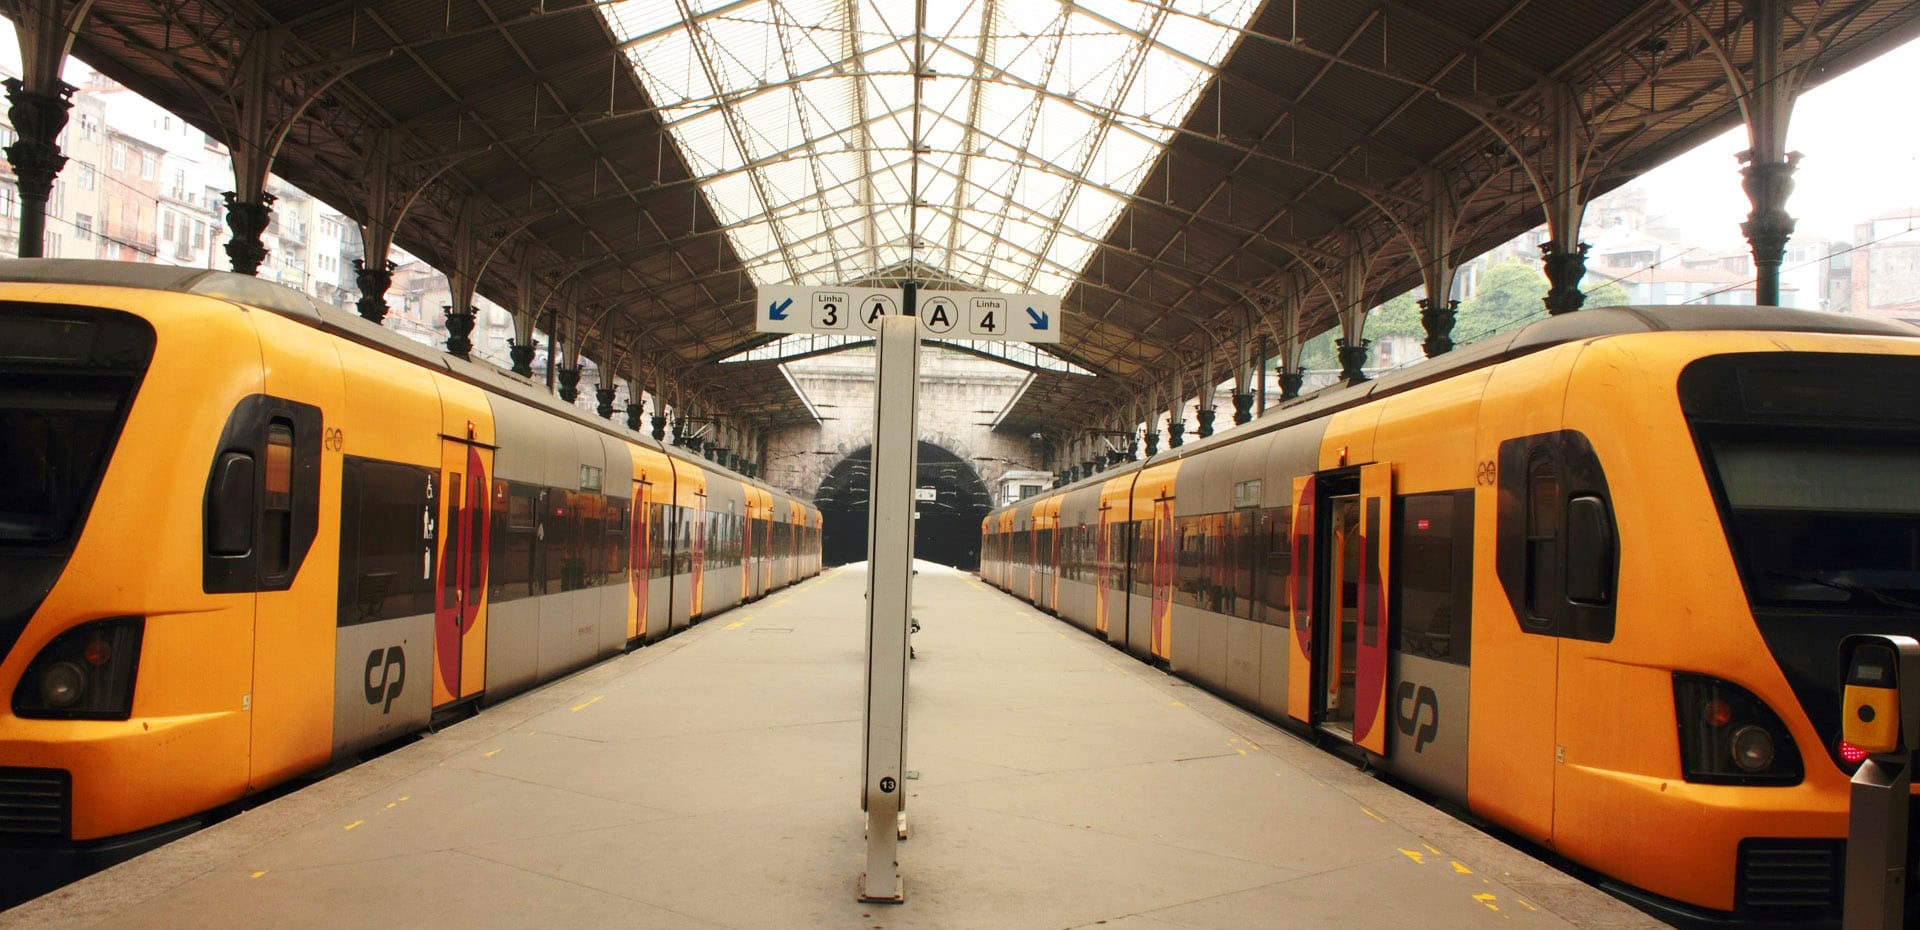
(1416, 857)
(1457, 867)
(1178, 704)
(406, 797)
(259, 873)
(1523, 903)
(1487, 898)
(590, 702)
(491, 753)
(1375, 816)
(355, 824)
(736, 624)
(1430, 848)
(392, 804)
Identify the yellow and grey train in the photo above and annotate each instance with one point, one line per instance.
(1586, 579)
(244, 535)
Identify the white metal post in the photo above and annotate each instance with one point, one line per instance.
(889, 601)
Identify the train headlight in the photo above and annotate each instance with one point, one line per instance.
(1753, 749)
(62, 684)
(1728, 736)
(86, 673)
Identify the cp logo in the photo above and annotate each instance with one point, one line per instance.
(1409, 719)
(392, 666)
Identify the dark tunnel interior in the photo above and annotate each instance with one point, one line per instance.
(947, 530)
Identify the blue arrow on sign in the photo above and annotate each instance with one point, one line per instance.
(779, 311)
(1039, 319)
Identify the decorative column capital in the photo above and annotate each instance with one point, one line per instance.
(373, 282)
(1242, 407)
(1353, 360)
(1564, 269)
(569, 382)
(248, 220)
(459, 327)
(1437, 317)
(603, 396)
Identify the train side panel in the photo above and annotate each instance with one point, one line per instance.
(615, 610)
(1079, 519)
(1428, 436)
(516, 570)
(1150, 570)
(294, 644)
(389, 537)
(1198, 634)
(652, 544)
(1512, 755)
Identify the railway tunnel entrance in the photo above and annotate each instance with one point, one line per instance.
(948, 528)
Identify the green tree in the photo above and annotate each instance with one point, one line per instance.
(1508, 297)
(1397, 317)
(1604, 294)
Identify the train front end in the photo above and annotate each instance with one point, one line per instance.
(1768, 500)
(127, 685)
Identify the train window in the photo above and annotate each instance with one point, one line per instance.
(276, 519)
(1589, 551)
(230, 505)
(450, 554)
(386, 559)
(1243, 541)
(1190, 566)
(1554, 555)
(1543, 540)
(512, 574)
(1142, 570)
(1276, 562)
(616, 555)
(1432, 575)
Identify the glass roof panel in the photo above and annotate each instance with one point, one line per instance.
(1035, 122)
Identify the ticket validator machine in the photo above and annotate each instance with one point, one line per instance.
(1880, 714)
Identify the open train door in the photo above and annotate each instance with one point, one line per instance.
(1370, 652)
(459, 599)
(1300, 612)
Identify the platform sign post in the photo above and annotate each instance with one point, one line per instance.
(889, 602)
(897, 319)
(1879, 715)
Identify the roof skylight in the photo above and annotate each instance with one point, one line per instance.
(1036, 121)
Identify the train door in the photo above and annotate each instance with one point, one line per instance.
(698, 547)
(640, 557)
(459, 639)
(1103, 561)
(1348, 545)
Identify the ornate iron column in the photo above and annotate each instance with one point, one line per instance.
(635, 410)
(1768, 176)
(1353, 358)
(1242, 407)
(248, 220)
(1205, 416)
(459, 328)
(1291, 381)
(659, 425)
(569, 383)
(373, 283)
(1437, 317)
(35, 156)
(603, 395)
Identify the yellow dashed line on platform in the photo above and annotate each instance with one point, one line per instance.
(1417, 858)
(355, 824)
(736, 624)
(406, 797)
(590, 702)
(491, 753)
(1523, 903)
(258, 874)
(1487, 898)
(392, 804)
(1430, 848)
(1178, 704)
(1373, 815)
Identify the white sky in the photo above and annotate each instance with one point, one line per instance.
(1861, 153)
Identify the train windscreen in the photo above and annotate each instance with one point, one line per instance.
(67, 378)
(1829, 525)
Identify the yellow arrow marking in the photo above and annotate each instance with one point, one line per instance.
(1416, 857)
(355, 824)
(1487, 898)
(595, 700)
(259, 873)
(1457, 867)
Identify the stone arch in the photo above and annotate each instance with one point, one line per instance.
(948, 529)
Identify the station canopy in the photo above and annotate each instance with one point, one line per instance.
(1170, 168)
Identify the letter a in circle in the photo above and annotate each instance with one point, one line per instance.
(874, 311)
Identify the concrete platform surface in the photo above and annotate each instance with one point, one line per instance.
(712, 780)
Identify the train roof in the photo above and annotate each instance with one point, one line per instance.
(266, 295)
(1594, 323)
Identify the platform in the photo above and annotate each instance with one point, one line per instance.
(711, 780)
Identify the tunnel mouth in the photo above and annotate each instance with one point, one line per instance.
(947, 528)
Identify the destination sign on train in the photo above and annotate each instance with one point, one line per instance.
(856, 311)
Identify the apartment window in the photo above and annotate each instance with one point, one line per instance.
(199, 233)
(57, 203)
(86, 177)
(83, 227)
(119, 157)
(51, 247)
(6, 135)
(180, 184)
(7, 196)
(166, 225)
(148, 164)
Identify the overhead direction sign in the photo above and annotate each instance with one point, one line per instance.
(856, 311)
